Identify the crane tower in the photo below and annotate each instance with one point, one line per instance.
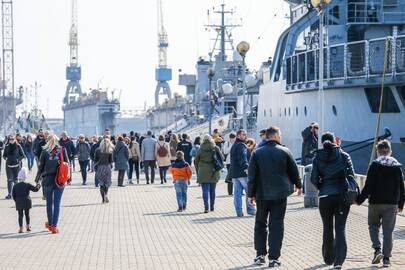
(163, 72)
(73, 71)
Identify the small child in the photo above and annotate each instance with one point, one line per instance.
(21, 196)
(181, 172)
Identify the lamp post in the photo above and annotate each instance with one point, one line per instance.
(242, 48)
(320, 5)
(211, 74)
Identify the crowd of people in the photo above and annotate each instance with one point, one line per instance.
(266, 173)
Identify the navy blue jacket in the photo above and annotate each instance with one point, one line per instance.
(37, 147)
(69, 146)
(329, 170)
(239, 159)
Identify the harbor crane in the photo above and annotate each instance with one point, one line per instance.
(73, 71)
(163, 72)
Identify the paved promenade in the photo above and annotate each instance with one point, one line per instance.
(140, 229)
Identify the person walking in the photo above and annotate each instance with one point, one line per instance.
(13, 154)
(330, 168)
(181, 172)
(272, 175)
(93, 149)
(185, 146)
(121, 156)
(207, 176)
(22, 199)
(39, 143)
(239, 168)
(134, 157)
(47, 170)
(148, 153)
(103, 157)
(29, 153)
(163, 158)
(174, 141)
(196, 146)
(1, 152)
(68, 144)
(263, 139)
(83, 150)
(384, 189)
(226, 150)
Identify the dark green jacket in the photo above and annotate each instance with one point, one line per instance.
(204, 164)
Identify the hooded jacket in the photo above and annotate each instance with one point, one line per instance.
(204, 163)
(181, 170)
(121, 156)
(329, 170)
(385, 183)
(13, 154)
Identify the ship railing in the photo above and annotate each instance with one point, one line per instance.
(359, 59)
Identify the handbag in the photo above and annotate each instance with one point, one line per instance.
(351, 189)
(63, 171)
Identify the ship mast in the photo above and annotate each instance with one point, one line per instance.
(73, 71)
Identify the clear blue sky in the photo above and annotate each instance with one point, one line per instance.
(118, 42)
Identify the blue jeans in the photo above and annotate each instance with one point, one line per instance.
(181, 187)
(240, 184)
(53, 197)
(30, 160)
(208, 191)
(83, 169)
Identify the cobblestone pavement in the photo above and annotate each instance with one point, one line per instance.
(140, 229)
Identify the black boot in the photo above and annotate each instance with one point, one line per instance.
(106, 195)
(102, 192)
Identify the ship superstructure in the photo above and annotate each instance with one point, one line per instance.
(215, 95)
(360, 36)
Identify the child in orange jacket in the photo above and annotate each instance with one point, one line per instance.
(181, 172)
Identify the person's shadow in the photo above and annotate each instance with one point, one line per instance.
(22, 235)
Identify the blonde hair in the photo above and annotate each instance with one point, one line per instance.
(208, 138)
(52, 141)
(180, 155)
(106, 146)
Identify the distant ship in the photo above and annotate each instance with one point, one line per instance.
(356, 34)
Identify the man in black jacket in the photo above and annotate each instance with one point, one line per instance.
(39, 142)
(384, 190)
(309, 143)
(68, 144)
(239, 167)
(1, 152)
(185, 146)
(272, 175)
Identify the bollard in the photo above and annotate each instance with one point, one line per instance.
(311, 192)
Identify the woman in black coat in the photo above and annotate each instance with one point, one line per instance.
(21, 196)
(13, 154)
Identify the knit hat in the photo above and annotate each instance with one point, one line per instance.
(22, 175)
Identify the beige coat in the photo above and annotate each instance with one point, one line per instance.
(163, 161)
(134, 151)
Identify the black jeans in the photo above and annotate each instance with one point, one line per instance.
(12, 176)
(270, 213)
(163, 173)
(83, 169)
(152, 165)
(133, 163)
(21, 215)
(228, 179)
(121, 175)
(334, 246)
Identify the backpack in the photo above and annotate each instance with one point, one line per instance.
(218, 162)
(63, 171)
(162, 151)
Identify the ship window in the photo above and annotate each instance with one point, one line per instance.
(296, 111)
(401, 92)
(389, 103)
(264, 113)
(289, 111)
(285, 111)
(305, 110)
(334, 110)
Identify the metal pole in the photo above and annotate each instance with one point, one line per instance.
(244, 94)
(321, 94)
(210, 110)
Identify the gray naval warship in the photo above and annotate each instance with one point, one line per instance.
(364, 48)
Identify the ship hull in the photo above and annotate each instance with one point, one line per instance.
(347, 114)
